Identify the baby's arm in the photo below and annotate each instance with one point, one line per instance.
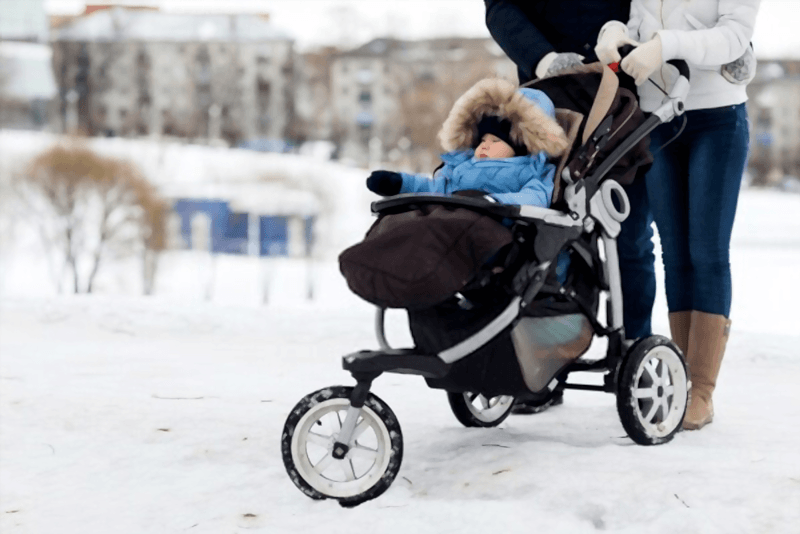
(538, 191)
(421, 183)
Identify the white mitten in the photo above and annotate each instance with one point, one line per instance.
(644, 61)
(612, 36)
(741, 71)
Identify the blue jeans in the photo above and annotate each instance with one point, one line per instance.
(693, 189)
(637, 262)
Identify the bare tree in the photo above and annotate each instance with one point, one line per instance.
(89, 208)
(153, 227)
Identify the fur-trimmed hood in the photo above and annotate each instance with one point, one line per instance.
(531, 125)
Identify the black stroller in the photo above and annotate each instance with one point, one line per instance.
(514, 334)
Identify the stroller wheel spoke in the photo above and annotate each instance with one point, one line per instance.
(347, 469)
(644, 393)
(319, 439)
(484, 402)
(665, 405)
(652, 412)
(364, 453)
(324, 464)
(335, 423)
(664, 378)
(652, 371)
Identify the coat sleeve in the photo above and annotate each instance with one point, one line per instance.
(723, 43)
(635, 21)
(421, 183)
(538, 191)
(519, 37)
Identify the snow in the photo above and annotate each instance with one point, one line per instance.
(128, 414)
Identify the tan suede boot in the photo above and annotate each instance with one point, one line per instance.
(679, 323)
(708, 336)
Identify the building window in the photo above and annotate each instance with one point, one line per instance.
(764, 119)
(364, 133)
(364, 76)
(274, 236)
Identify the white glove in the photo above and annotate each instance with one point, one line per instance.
(553, 63)
(612, 36)
(644, 61)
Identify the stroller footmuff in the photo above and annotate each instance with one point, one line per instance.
(420, 257)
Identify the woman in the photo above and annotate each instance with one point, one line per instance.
(694, 183)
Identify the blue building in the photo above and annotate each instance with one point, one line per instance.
(215, 225)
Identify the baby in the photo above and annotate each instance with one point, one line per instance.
(498, 140)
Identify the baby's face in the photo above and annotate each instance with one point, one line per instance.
(493, 147)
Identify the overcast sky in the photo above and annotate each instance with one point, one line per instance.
(352, 22)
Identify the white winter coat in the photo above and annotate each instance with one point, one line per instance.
(706, 34)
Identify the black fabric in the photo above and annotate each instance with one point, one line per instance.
(421, 257)
(500, 128)
(491, 370)
(528, 30)
(385, 183)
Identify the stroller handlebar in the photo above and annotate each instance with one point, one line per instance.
(681, 65)
(672, 106)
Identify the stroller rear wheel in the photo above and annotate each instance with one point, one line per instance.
(475, 410)
(371, 458)
(652, 391)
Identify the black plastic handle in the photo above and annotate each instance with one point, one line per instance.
(412, 201)
(624, 50)
(681, 65)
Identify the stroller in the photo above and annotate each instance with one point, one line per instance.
(518, 332)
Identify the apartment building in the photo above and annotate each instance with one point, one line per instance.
(774, 111)
(389, 97)
(142, 72)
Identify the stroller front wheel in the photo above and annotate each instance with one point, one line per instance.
(476, 410)
(653, 391)
(373, 456)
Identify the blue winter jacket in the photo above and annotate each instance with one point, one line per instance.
(524, 180)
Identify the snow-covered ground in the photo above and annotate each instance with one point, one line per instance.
(141, 415)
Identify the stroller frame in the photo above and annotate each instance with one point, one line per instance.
(591, 210)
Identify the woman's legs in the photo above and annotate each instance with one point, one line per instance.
(693, 189)
(716, 163)
(693, 196)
